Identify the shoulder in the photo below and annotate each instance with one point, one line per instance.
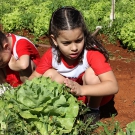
(94, 54)
(21, 40)
(98, 62)
(23, 43)
(48, 53)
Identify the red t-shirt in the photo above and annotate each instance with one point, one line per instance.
(25, 47)
(93, 59)
(21, 46)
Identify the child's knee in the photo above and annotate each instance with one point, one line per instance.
(90, 77)
(50, 73)
(54, 75)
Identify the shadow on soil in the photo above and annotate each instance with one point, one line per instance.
(108, 110)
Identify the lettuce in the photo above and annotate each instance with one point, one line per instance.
(43, 105)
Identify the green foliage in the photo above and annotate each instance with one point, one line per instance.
(44, 107)
(112, 127)
(43, 104)
(124, 22)
(34, 15)
(41, 21)
(12, 21)
(130, 129)
(127, 35)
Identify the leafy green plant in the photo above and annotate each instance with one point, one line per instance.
(34, 15)
(41, 106)
(112, 127)
(44, 107)
(130, 129)
(127, 35)
(12, 21)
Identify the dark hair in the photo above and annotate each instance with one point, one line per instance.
(68, 18)
(2, 39)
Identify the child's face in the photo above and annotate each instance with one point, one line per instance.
(5, 56)
(70, 43)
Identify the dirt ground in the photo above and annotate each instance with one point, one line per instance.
(123, 64)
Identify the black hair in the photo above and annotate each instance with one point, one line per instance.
(68, 18)
(2, 39)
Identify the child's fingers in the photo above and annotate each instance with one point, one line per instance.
(72, 85)
(68, 83)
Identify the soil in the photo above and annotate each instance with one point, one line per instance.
(122, 62)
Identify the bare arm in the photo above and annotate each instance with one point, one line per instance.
(107, 86)
(21, 64)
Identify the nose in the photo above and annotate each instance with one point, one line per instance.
(74, 47)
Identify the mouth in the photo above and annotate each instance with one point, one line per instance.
(74, 55)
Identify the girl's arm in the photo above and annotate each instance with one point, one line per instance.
(21, 64)
(107, 86)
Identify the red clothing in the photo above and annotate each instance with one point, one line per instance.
(12, 77)
(25, 47)
(93, 59)
(21, 46)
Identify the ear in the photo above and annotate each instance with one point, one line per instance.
(6, 46)
(54, 40)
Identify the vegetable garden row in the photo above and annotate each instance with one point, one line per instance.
(34, 15)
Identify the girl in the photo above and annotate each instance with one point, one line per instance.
(18, 58)
(78, 60)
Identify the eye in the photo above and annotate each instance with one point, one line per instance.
(79, 40)
(66, 43)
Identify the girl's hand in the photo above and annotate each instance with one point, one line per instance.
(74, 86)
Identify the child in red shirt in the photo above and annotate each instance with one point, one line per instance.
(18, 58)
(78, 60)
